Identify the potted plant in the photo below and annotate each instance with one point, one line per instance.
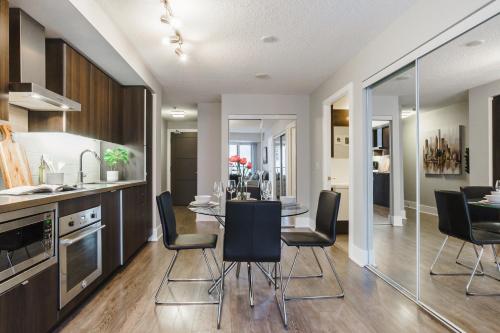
(114, 157)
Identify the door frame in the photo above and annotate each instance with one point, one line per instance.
(345, 91)
(169, 153)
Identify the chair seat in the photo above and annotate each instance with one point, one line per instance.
(194, 241)
(483, 237)
(305, 238)
(487, 226)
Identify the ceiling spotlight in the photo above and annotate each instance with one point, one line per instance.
(175, 22)
(269, 39)
(175, 39)
(182, 56)
(164, 19)
(165, 40)
(475, 43)
(262, 76)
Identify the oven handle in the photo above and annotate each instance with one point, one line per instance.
(69, 241)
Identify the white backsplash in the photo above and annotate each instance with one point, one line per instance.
(61, 147)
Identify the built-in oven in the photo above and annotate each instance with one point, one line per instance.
(80, 252)
(27, 243)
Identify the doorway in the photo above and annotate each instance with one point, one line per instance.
(183, 167)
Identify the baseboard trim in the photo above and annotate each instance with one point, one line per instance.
(156, 234)
(358, 255)
(423, 208)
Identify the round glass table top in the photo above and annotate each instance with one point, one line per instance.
(220, 211)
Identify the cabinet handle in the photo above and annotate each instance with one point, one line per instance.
(25, 282)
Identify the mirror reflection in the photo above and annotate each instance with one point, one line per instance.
(268, 147)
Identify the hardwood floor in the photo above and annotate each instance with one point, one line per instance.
(126, 303)
(395, 255)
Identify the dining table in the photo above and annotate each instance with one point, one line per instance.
(218, 211)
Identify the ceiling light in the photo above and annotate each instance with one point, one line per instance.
(177, 113)
(165, 40)
(182, 56)
(262, 76)
(175, 39)
(269, 39)
(473, 43)
(164, 19)
(407, 113)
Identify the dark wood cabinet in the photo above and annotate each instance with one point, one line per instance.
(70, 74)
(133, 116)
(115, 112)
(31, 306)
(99, 115)
(382, 189)
(4, 59)
(135, 223)
(110, 216)
(382, 137)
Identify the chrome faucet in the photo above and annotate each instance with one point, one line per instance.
(81, 175)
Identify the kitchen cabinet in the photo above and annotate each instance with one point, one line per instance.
(133, 116)
(110, 216)
(135, 223)
(31, 306)
(382, 137)
(381, 188)
(72, 75)
(4, 59)
(100, 101)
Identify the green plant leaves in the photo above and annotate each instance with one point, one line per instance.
(113, 157)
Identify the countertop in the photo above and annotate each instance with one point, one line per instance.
(10, 202)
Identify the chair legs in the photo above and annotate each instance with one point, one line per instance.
(332, 266)
(467, 288)
(167, 279)
(432, 272)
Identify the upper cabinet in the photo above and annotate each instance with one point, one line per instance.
(4, 59)
(72, 75)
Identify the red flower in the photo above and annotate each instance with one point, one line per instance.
(249, 165)
(234, 159)
(243, 161)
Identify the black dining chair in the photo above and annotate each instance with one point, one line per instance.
(454, 221)
(180, 242)
(322, 237)
(252, 235)
(482, 217)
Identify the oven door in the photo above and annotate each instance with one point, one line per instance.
(80, 261)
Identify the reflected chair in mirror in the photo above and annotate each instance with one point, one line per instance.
(252, 235)
(182, 242)
(454, 221)
(323, 236)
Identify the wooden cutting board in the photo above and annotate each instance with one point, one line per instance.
(13, 162)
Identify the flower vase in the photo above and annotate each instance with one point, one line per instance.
(241, 189)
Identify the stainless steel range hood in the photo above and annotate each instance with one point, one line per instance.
(27, 67)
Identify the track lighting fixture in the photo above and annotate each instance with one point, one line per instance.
(182, 56)
(168, 18)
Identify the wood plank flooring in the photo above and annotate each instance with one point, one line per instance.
(395, 256)
(126, 303)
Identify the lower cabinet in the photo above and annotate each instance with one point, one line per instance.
(31, 306)
(382, 189)
(110, 216)
(135, 220)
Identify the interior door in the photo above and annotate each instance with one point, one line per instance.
(183, 167)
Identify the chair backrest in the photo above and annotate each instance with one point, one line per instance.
(167, 218)
(252, 231)
(327, 213)
(254, 192)
(453, 214)
(476, 192)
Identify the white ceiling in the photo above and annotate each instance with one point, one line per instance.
(222, 39)
(446, 74)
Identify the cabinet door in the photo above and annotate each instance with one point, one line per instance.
(386, 137)
(99, 115)
(134, 220)
(32, 306)
(133, 117)
(77, 87)
(4, 59)
(115, 112)
(110, 216)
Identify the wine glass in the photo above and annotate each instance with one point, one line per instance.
(497, 185)
(266, 189)
(231, 187)
(218, 190)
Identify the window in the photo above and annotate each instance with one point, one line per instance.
(248, 150)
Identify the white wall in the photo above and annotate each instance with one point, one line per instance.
(238, 104)
(480, 133)
(209, 152)
(415, 27)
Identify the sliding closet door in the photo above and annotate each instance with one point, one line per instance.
(393, 133)
(457, 83)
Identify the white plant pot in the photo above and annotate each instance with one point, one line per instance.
(112, 176)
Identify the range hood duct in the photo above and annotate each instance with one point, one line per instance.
(27, 67)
